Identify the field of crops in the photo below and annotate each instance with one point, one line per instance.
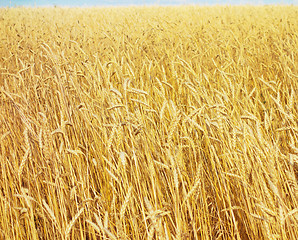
(149, 123)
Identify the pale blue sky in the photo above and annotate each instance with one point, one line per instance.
(12, 3)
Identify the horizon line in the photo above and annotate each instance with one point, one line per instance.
(148, 5)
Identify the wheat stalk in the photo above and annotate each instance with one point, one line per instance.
(72, 222)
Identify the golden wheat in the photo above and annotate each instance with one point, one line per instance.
(149, 123)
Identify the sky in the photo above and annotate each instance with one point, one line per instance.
(86, 3)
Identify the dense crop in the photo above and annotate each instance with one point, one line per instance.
(149, 123)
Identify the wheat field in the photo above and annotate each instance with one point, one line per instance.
(149, 123)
